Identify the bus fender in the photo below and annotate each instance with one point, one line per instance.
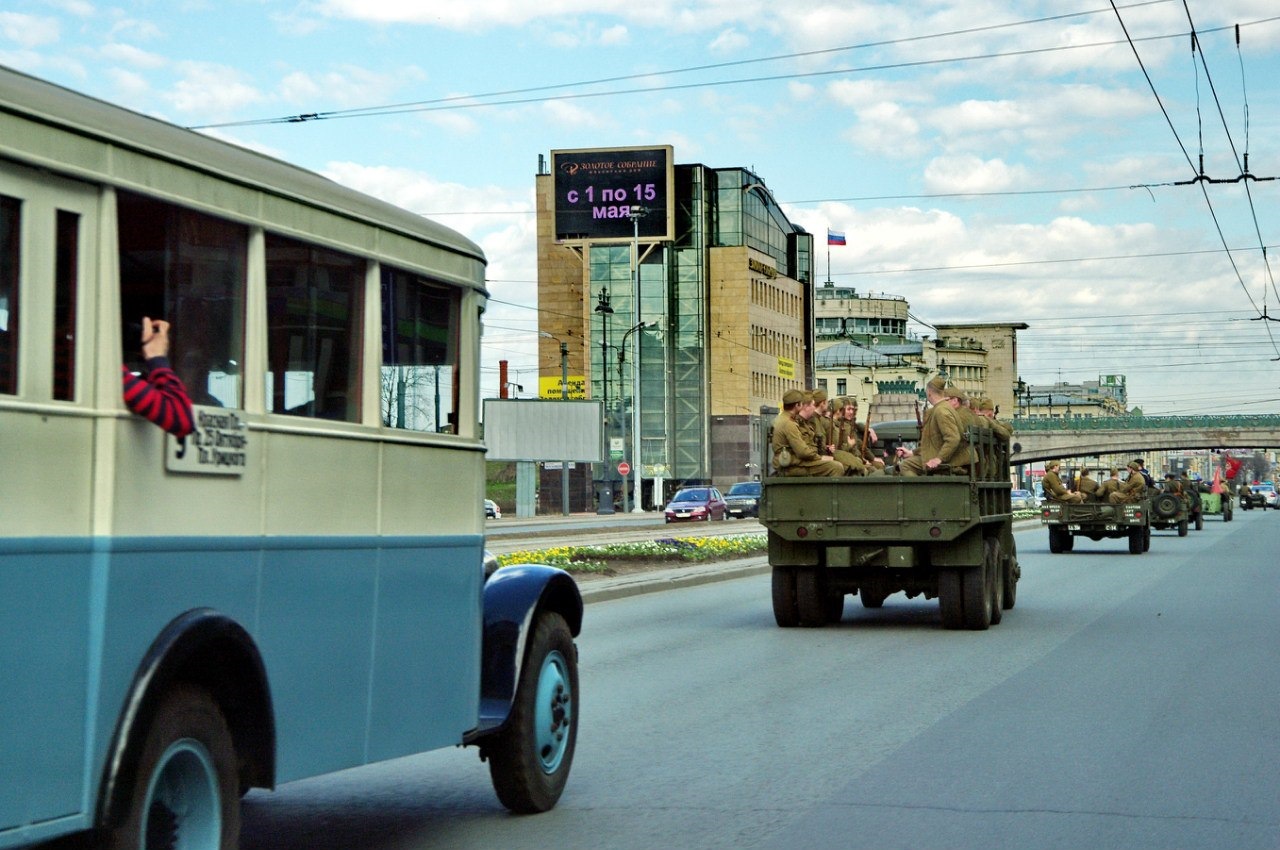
(513, 596)
(209, 649)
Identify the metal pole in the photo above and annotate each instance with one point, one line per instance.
(605, 500)
(564, 395)
(622, 413)
(635, 421)
(636, 213)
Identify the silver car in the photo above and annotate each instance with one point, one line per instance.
(1023, 500)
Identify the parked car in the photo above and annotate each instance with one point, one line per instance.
(743, 499)
(491, 509)
(700, 504)
(1023, 500)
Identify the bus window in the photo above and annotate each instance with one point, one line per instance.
(188, 268)
(419, 352)
(10, 209)
(66, 273)
(313, 337)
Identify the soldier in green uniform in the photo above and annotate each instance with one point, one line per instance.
(1054, 490)
(1111, 485)
(1087, 487)
(942, 442)
(850, 448)
(1133, 489)
(795, 446)
(1002, 429)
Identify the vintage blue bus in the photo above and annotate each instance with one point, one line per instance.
(299, 586)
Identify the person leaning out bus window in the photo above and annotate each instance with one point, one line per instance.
(159, 394)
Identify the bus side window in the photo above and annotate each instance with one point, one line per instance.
(10, 219)
(190, 269)
(313, 336)
(420, 322)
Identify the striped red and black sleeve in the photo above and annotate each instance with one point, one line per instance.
(159, 397)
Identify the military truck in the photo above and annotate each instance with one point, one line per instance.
(1168, 510)
(1097, 520)
(943, 536)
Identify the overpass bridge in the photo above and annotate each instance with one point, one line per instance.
(1044, 439)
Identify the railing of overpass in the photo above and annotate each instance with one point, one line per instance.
(1133, 423)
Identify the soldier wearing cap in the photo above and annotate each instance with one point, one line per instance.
(824, 428)
(1054, 490)
(1133, 488)
(942, 442)
(850, 448)
(804, 458)
(987, 412)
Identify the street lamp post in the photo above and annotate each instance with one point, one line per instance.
(635, 408)
(637, 213)
(604, 502)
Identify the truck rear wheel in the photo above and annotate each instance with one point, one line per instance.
(995, 578)
(1136, 540)
(811, 596)
(785, 612)
(964, 596)
(1055, 539)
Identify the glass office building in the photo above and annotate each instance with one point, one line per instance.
(718, 319)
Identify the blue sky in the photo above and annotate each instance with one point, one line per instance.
(988, 161)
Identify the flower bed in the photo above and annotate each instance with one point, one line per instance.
(666, 550)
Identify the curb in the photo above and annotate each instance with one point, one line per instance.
(619, 587)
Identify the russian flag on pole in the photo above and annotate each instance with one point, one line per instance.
(835, 237)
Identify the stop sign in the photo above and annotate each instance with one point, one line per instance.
(624, 468)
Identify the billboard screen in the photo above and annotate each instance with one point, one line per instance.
(595, 189)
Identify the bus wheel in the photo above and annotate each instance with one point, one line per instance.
(785, 612)
(529, 760)
(184, 791)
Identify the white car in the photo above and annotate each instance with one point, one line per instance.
(491, 509)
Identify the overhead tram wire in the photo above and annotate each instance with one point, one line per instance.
(1204, 191)
(1245, 177)
(475, 102)
(357, 111)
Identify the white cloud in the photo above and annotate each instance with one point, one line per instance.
(614, 35)
(886, 129)
(729, 41)
(348, 86)
(971, 174)
(28, 31)
(132, 56)
(210, 92)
